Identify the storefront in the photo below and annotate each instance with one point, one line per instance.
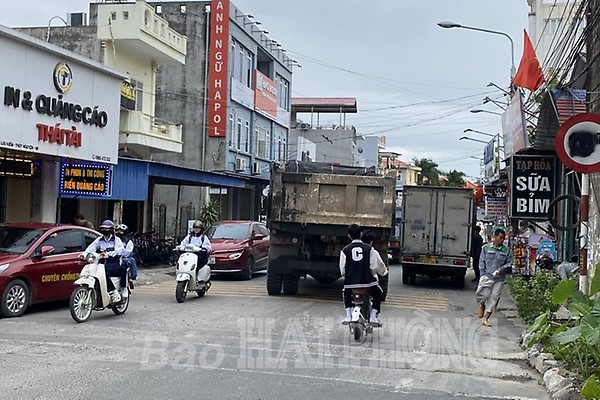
(60, 127)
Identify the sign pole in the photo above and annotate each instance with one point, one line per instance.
(584, 212)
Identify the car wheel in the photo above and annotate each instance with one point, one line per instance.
(15, 299)
(246, 274)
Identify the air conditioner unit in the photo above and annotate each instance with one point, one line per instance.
(304, 126)
(77, 19)
(240, 164)
(255, 168)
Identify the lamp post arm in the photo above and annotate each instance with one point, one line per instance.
(512, 46)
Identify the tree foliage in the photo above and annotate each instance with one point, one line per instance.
(430, 174)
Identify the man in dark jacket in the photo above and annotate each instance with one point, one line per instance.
(476, 245)
(359, 265)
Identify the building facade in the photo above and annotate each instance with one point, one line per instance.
(233, 95)
(60, 121)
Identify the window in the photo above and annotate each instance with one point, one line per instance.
(263, 230)
(248, 62)
(88, 238)
(238, 134)
(552, 26)
(268, 145)
(182, 9)
(242, 63)
(283, 92)
(64, 242)
(139, 92)
(232, 137)
(262, 142)
(113, 15)
(159, 9)
(125, 14)
(247, 136)
(280, 150)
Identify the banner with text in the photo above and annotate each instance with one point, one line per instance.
(532, 186)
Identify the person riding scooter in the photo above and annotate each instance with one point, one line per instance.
(128, 259)
(113, 248)
(359, 265)
(199, 239)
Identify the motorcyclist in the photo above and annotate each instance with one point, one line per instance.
(128, 259)
(113, 248)
(359, 265)
(199, 239)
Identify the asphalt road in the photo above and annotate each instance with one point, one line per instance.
(239, 343)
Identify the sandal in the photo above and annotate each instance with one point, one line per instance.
(486, 323)
(479, 313)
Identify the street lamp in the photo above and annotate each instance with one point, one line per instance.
(50, 21)
(477, 110)
(512, 45)
(482, 133)
(474, 140)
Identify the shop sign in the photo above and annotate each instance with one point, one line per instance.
(128, 95)
(16, 167)
(85, 179)
(55, 107)
(217, 68)
(265, 96)
(532, 186)
(496, 206)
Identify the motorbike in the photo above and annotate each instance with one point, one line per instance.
(190, 276)
(91, 293)
(360, 327)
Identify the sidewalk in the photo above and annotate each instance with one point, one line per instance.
(156, 274)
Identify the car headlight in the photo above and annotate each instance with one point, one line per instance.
(3, 267)
(234, 256)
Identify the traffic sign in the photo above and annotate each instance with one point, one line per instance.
(577, 143)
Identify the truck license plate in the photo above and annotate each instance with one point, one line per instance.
(429, 260)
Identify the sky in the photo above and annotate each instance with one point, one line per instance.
(414, 82)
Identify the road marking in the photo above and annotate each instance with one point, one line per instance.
(237, 289)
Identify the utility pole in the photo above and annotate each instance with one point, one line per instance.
(592, 81)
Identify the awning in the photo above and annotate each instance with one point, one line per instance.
(130, 178)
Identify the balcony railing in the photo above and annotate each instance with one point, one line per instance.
(136, 25)
(149, 134)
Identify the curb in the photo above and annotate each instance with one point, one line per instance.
(555, 379)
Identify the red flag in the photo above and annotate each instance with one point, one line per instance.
(529, 75)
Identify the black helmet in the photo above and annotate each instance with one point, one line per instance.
(544, 261)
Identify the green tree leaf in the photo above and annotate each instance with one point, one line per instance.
(591, 388)
(568, 336)
(563, 291)
(595, 286)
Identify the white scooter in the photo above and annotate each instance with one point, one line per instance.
(190, 276)
(92, 293)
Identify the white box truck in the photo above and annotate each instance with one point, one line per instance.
(436, 232)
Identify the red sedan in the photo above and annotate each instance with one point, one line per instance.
(39, 263)
(240, 247)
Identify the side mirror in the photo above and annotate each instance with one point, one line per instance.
(258, 236)
(46, 250)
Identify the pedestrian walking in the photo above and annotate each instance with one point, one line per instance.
(476, 245)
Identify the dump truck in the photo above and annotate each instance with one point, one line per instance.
(311, 206)
(436, 232)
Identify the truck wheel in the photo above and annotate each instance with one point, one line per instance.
(290, 283)
(273, 283)
(405, 277)
(458, 280)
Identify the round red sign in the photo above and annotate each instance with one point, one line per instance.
(577, 143)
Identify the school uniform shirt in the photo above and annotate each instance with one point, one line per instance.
(199, 240)
(113, 246)
(360, 264)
